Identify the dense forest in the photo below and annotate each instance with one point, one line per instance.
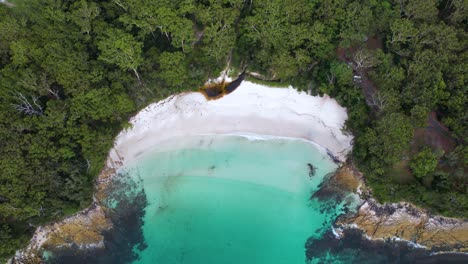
(73, 72)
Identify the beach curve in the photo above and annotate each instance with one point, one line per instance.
(252, 110)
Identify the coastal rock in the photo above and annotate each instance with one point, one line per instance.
(404, 221)
(401, 220)
(81, 231)
(252, 110)
(84, 231)
(347, 178)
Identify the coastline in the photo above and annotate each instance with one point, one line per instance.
(250, 109)
(401, 221)
(254, 111)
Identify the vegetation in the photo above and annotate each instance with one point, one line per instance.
(424, 163)
(73, 72)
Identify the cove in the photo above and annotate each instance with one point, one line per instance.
(230, 199)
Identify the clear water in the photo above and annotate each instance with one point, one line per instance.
(228, 199)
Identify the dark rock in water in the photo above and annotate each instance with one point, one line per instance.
(311, 170)
(401, 220)
(354, 247)
(329, 189)
(379, 222)
(333, 157)
(404, 221)
(125, 235)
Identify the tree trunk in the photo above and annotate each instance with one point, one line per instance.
(137, 75)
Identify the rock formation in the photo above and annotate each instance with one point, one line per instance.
(400, 220)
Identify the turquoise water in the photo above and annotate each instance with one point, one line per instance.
(228, 199)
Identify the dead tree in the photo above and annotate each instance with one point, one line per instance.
(53, 92)
(377, 100)
(382, 100)
(331, 78)
(364, 58)
(119, 3)
(26, 106)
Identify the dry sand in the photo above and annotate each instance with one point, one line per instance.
(255, 111)
(251, 110)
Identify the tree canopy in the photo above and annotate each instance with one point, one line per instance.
(73, 72)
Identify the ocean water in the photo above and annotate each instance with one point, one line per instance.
(229, 199)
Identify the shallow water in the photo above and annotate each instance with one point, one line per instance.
(231, 199)
(223, 199)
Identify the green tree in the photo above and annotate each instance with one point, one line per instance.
(120, 48)
(83, 14)
(282, 37)
(458, 10)
(419, 9)
(403, 37)
(387, 143)
(173, 70)
(424, 163)
(218, 35)
(419, 116)
(165, 17)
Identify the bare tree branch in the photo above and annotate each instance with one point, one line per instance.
(53, 92)
(364, 59)
(26, 106)
(331, 78)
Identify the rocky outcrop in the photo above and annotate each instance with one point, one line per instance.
(348, 179)
(87, 231)
(401, 220)
(404, 221)
(81, 231)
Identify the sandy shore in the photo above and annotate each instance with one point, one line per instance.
(251, 109)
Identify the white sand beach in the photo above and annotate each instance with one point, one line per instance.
(252, 110)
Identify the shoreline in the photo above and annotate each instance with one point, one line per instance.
(250, 109)
(254, 110)
(401, 221)
(253, 137)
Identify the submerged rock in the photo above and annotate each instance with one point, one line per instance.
(400, 220)
(312, 169)
(354, 246)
